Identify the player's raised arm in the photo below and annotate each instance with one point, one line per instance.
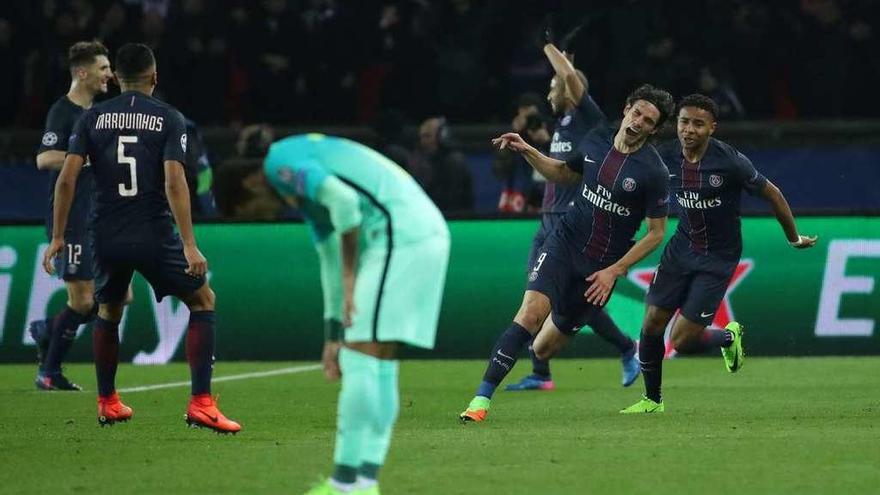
(552, 169)
(565, 70)
(65, 187)
(785, 217)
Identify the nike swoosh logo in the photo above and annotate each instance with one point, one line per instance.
(587, 159)
(503, 355)
(706, 315)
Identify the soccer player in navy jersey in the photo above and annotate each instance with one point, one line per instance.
(577, 114)
(136, 145)
(622, 181)
(707, 179)
(89, 73)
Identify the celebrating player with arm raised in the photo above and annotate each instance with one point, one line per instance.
(577, 114)
(622, 181)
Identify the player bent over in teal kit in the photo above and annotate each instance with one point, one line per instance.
(383, 248)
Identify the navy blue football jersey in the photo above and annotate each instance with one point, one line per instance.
(708, 193)
(617, 192)
(128, 138)
(59, 126)
(570, 129)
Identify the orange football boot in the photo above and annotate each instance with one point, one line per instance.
(203, 413)
(111, 410)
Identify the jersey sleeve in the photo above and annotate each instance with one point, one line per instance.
(576, 163)
(58, 130)
(590, 112)
(78, 143)
(301, 179)
(657, 194)
(342, 203)
(752, 180)
(175, 138)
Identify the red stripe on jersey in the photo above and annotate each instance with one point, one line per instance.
(691, 181)
(600, 234)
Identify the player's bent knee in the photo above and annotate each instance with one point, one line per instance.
(533, 312)
(656, 320)
(201, 300)
(110, 312)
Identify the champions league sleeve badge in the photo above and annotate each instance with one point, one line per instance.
(50, 138)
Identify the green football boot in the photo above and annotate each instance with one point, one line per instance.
(734, 354)
(477, 410)
(645, 405)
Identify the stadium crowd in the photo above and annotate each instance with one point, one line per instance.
(300, 62)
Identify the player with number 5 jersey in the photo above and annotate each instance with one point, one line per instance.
(137, 147)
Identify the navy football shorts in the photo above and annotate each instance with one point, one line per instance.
(549, 222)
(160, 261)
(692, 282)
(560, 273)
(76, 261)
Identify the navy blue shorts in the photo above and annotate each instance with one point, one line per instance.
(76, 261)
(160, 261)
(549, 222)
(694, 283)
(560, 273)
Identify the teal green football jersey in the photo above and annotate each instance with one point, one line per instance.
(391, 202)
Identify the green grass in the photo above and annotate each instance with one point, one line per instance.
(779, 426)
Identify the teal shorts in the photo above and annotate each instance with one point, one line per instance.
(397, 294)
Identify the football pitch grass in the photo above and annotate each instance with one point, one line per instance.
(799, 425)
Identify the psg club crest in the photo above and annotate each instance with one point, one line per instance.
(629, 184)
(565, 121)
(50, 138)
(715, 180)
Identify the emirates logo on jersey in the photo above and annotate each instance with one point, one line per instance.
(629, 184)
(715, 180)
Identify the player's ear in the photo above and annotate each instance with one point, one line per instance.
(154, 78)
(713, 127)
(116, 79)
(626, 109)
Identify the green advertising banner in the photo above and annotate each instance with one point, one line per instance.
(818, 301)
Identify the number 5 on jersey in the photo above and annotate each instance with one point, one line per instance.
(132, 165)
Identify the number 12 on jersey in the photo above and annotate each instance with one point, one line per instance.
(132, 165)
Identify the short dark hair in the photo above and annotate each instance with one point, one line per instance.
(700, 101)
(133, 60)
(658, 97)
(84, 53)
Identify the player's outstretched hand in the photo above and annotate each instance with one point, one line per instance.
(198, 265)
(510, 140)
(805, 241)
(330, 360)
(600, 288)
(54, 249)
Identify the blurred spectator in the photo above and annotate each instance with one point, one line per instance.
(337, 62)
(241, 190)
(441, 169)
(722, 92)
(521, 192)
(390, 139)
